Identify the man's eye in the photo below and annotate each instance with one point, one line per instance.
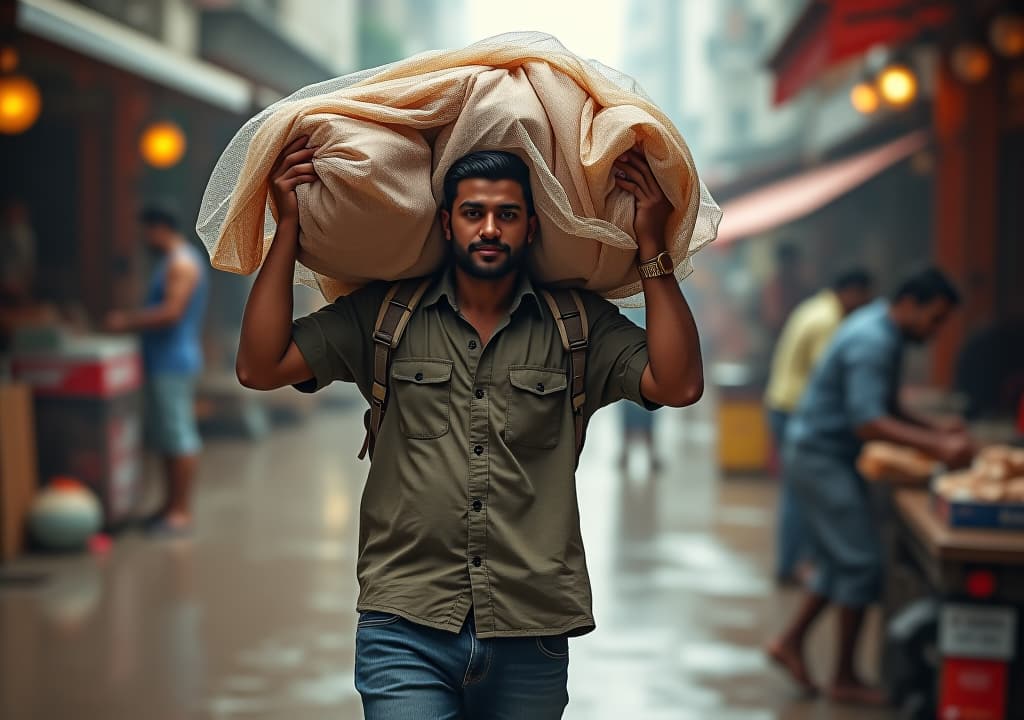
(472, 213)
(508, 215)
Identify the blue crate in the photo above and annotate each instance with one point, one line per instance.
(982, 515)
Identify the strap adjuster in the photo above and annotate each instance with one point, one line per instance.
(578, 401)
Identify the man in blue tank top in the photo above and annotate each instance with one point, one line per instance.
(170, 323)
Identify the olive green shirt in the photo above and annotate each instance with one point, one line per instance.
(470, 500)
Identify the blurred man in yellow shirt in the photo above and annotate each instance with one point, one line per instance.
(804, 338)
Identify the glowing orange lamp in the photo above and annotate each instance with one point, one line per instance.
(971, 62)
(898, 85)
(864, 98)
(162, 144)
(20, 104)
(1007, 35)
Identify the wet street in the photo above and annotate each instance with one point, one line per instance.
(254, 616)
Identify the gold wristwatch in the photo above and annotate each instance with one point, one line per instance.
(660, 264)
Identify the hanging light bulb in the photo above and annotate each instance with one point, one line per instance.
(864, 98)
(20, 104)
(1006, 33)
(162, 144)
(971, 62)
(898, 85)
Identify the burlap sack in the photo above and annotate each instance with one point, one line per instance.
(387, 136)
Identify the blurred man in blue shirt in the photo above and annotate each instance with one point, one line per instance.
(171, 323)
(853, 397)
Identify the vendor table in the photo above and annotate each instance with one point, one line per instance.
(978, 577)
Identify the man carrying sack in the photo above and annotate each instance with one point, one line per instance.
(471, 565)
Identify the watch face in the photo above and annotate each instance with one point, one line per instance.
(665, 262)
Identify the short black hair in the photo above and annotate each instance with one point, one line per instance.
(928, 285)
(853, 279)
(489, 165)
(159, 215)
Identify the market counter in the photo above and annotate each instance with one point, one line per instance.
(977, 577)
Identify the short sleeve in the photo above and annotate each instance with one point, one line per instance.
(616, 358)
(337, 340)
(871, 370)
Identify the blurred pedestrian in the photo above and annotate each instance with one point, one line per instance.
(471, 567)
(853, 398)
(804, 338)
(170, 323)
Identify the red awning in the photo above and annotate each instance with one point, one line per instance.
(794, 197)
(831, 31)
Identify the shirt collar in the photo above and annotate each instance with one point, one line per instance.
(881, 307)
(444, 288)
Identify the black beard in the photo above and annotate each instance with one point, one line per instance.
(464, 259)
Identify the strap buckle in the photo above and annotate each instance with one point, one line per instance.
(578, 401)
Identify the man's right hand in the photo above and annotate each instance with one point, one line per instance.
(293, 167)
(956, 450)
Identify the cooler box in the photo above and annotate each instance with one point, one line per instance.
(88, 416)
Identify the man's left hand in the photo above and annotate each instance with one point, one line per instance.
(633, 174)
(116, 321)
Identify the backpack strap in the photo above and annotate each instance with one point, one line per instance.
(571, 318)
(392, 319)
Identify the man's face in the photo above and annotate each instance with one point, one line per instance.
(489, 227)
(926, 318)
(156, 238)
(853, 298)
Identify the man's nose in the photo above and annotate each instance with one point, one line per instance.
(490, 228)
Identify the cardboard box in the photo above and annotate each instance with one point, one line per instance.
(979, 514)
(18, 472)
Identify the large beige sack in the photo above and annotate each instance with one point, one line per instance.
(387, 137)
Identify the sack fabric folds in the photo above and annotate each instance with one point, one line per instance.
(387, 136)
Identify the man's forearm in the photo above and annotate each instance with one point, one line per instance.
(918, 420)
(895, 430)
(267, 321)
(673, 344)
(152, 318)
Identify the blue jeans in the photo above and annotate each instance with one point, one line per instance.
(790, 530)
(406, 671)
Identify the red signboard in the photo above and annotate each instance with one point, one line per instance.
(831, 31)
(973, 689)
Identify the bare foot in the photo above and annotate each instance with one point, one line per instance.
(791, 660)
(857, 693)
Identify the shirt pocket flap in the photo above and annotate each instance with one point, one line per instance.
(422, 372)
(539, 381)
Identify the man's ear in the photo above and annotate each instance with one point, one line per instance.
(531, 232)
(446, 224)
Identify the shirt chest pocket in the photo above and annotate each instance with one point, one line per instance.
(421, 396)
(536, 404)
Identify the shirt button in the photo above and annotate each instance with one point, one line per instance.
(472, 344)
(477, 505)
(479, 394)
(479, 449)
(477, 561)
(419, 376)
(540, 387)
